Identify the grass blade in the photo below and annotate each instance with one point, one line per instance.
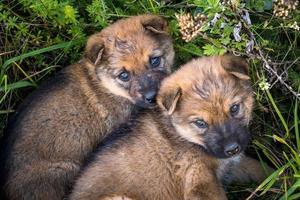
(266, 183)
(291, 190)
(36, 52)
(296, 120)
(16, 85)
(278, 113)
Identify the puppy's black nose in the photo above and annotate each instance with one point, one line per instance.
(150, 97)
(232, 149)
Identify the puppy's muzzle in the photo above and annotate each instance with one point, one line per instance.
(227, 139)
(147, 88)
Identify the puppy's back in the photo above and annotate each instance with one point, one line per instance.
(129, 159)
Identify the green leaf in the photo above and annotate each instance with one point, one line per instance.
(213, 50)
(225, 40)
(193, 49)
(97, 11)
(213, 3)
(201, 3)
(17, 85)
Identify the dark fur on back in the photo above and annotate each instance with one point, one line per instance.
(6, 143)
(122, 133)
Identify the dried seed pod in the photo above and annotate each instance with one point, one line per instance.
(190, 26)
(283, 8)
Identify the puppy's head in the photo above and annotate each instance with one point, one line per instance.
(132, 56)
(209, 101)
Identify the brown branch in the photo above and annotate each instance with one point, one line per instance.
(267, 61)
(279, 78)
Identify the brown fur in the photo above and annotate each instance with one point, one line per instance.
(161, 154)
(64, 120)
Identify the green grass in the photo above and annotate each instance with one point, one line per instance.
(37, 38)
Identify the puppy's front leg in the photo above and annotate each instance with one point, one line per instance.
(202, 184)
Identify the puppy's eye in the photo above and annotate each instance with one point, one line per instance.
(234, 109)
(124, 76)
(154, 61)
(200, 123)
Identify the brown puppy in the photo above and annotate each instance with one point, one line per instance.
(65, 119)
(185, 149)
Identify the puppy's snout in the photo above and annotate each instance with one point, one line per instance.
(232, 149)
(146, 86)
(150, 97)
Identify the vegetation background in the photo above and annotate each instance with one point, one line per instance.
(39, 37)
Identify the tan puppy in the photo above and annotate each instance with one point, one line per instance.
(64, 120)
(185, 149)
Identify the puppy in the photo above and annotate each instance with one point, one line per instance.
(186, 148)
(64, 120)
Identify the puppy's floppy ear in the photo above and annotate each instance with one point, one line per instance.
(94, 48)
(155, 24)
(168, 97)
(236, 66)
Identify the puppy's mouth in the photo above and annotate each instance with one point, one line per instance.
(232, 150)
(146, 104)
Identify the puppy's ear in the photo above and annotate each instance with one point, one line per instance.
(94, 49)
(236, 66)
(155, 24)
(168, 97)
